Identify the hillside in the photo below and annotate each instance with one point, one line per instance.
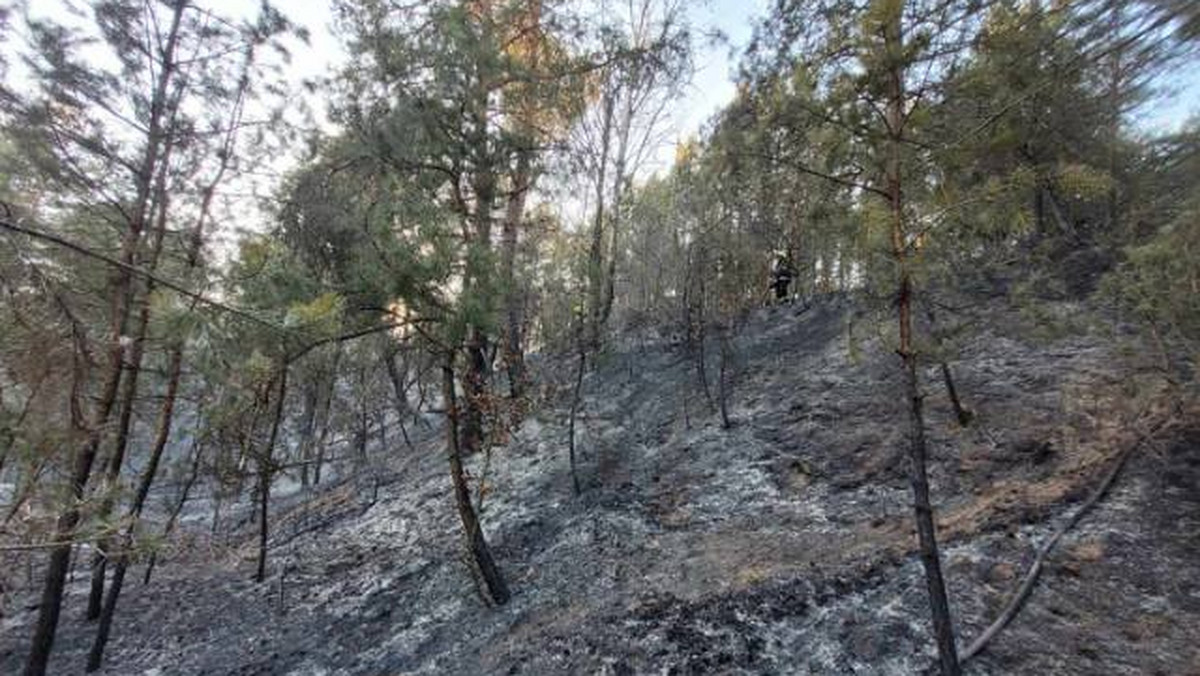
(781, 545)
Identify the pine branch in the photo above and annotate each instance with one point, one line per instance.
(135, 270)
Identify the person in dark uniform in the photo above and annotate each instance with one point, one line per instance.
(782, 274)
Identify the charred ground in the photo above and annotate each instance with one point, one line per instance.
(780, 545)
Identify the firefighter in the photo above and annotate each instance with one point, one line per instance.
(782, 274)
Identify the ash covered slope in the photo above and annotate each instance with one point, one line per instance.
(781, 545)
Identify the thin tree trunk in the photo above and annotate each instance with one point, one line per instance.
(1064, 226)
(722, 378)
(307, 427)
(166, 414)
(400, 390)
(961, 413)
(620, 185)
(326, 407)
(266, 471)
(922, 509)
(514, 349)
(173, 517)
(377, 467)
(1112, 202)
(85, 455)
(477, 229)
(474, 393)
(596, 252)
(477, 547)
(129, 390)
(175, 360)
(696, 339)
(575, 393)
(1039, 207)
(700, 359)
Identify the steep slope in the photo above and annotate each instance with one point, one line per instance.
(781, 545)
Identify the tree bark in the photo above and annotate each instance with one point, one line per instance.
(163, 433)
(307, 426)
(1115, 85)
(514, 349)
(173, 517)
(961, 413)
(922, 509)
(596, 252)
(723, 376)
(477, 546)
(129, 386)
(85, 455)
(575, 394)
(326, 407)
(477, 279)
(266, 472)
(400, 390)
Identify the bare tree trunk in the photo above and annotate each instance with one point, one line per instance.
(723, 378)
(922, 509)
(474, 392)
(701, 358)
(620, 185)
(400, 390)
(326, 406)
(85, 455)
(596, 252)
(514, 349)
(575, 394)
(308, 419)
(1039, 206)
(266, 471)
(477, 546)
(166, 414)
(476, 276)
(173, 517)
(961, 413)
(1115, 84)
(696, 334)
(129, 388)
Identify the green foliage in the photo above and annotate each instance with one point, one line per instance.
(1082, 182)
(321, 315)
(1160, 280)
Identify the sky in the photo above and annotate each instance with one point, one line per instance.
(1178, 101)
(715, 63)
(711, 88)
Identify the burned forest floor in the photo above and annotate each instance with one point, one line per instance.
(781, 545)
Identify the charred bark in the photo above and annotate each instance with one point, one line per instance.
(173, 517)
(400, 390)
(726, 352)
(85, 455)
(477, 547)
(162, 434)
(922, 508)
(575, 401)
(129, 389)
(514, 302)
(266, 472)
